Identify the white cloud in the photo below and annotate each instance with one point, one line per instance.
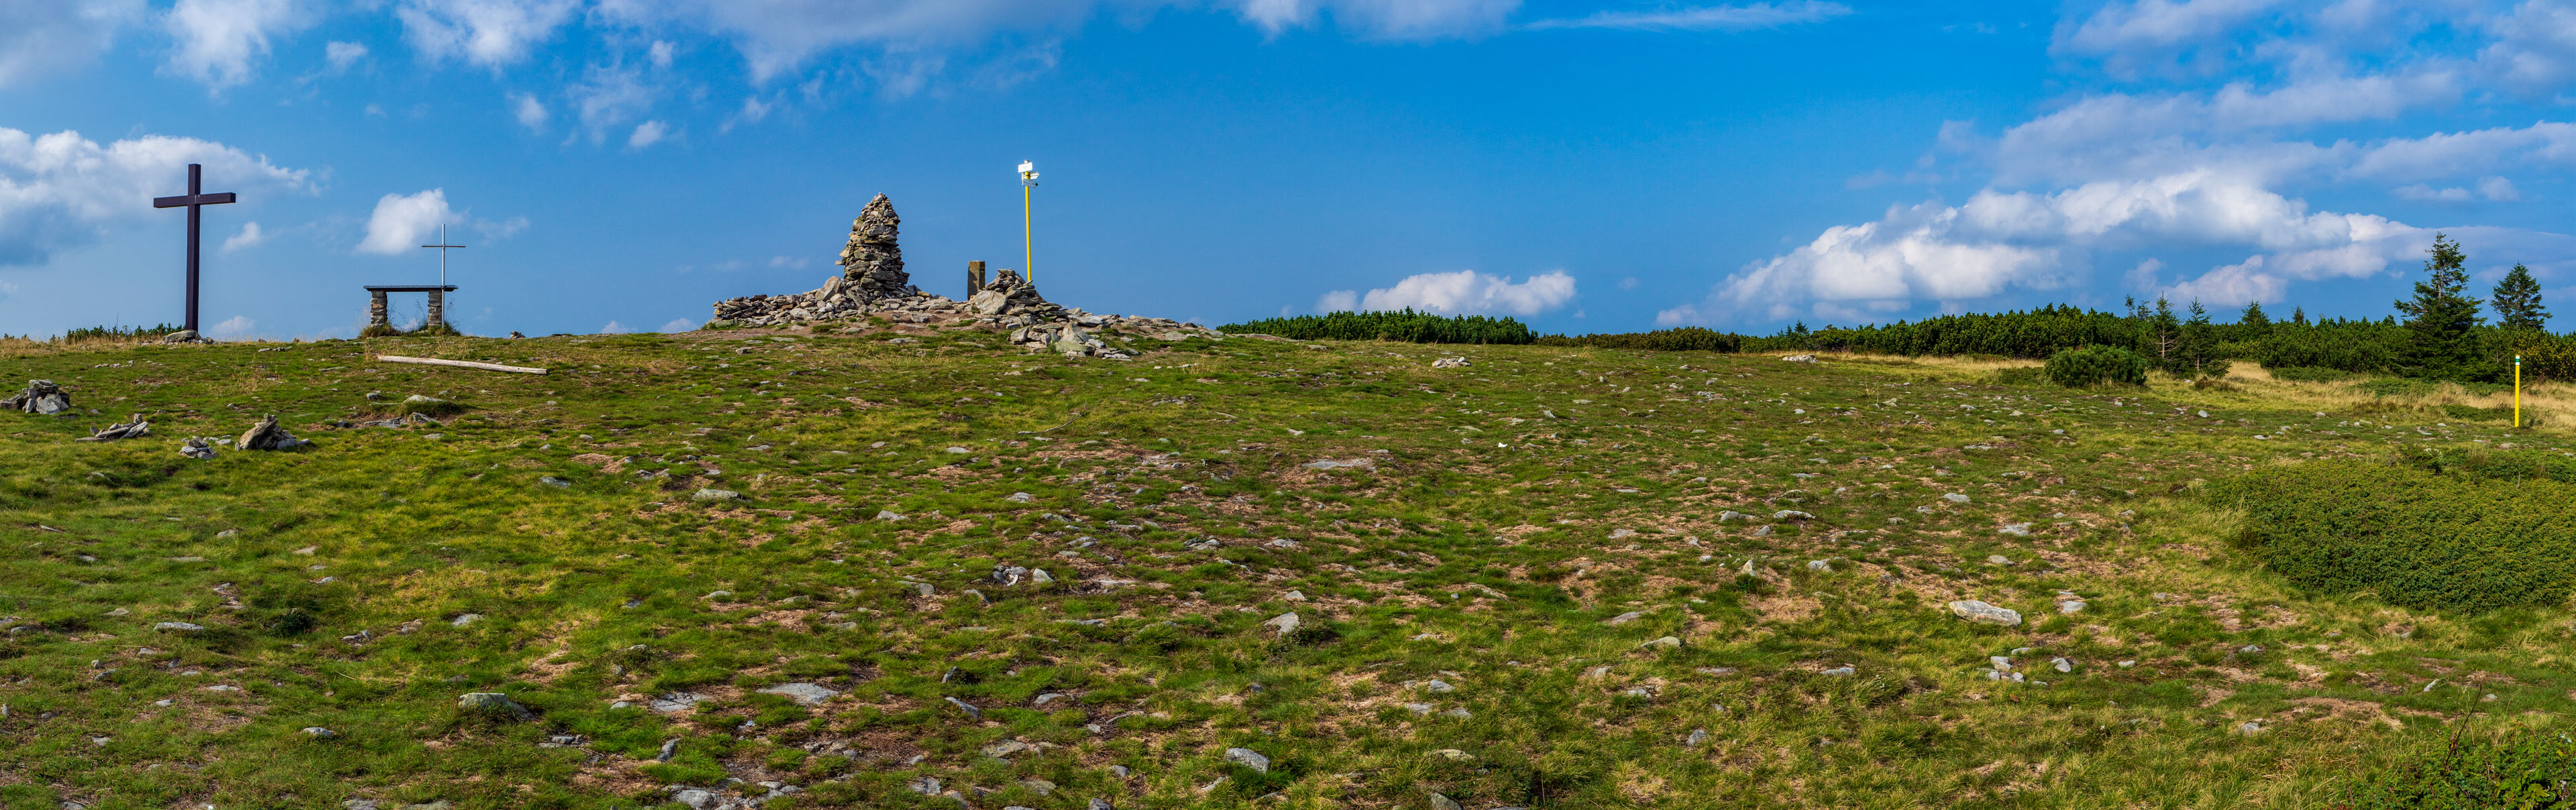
(647, 134)
(2153, 35)
(2000, 241)
(1387, 19)
(2232, 285)
(530, 112)
(403, 223)
(250, 237)
(615, 328)
(2498, 189)
(342, 55)
(1336, 301)
(1705, 18)
(492, 33)
(609, 96)
(503, 229)
(58, 190)
(660, 53)
(777, 262)
(1465, 292)
(43, 36)
(2424, 193)
(233, 327)
(219, 39)
(679, 325)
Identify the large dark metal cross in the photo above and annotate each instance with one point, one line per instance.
(194, 198)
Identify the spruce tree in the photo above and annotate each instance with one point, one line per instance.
(2517, 302)
(2254, 316)
(2442, 320)
(2299, 315)
(2163, 334)
(2198, 351)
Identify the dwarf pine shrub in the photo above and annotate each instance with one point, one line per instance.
(2429, 533)
(2096, 365)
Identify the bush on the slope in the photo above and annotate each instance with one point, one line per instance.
(1679, 339)
(2476, 532)
(1406, 325)
(2096, 365)
(2528, 770)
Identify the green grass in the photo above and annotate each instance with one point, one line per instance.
(1507, 512)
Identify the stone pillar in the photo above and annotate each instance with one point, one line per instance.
(974, 278)
(376, 309)
(437, 309)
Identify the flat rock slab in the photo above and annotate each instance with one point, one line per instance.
(1982, 613)
(804, 693)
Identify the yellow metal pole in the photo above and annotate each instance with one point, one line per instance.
(2517, 390)
(1028, 239)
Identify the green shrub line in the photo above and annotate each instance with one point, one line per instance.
(1404, 325)
(2472, 532)
(2509, 770)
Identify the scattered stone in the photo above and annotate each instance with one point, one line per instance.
(1956, 497)
(1285, 622)
(1451, 362)
(197, 448)
(2250, 649)
(2129, 663)
(1820, 566)
(2002, 663)
(41, 397)
(1101, 804)
(1332, 464)
(183, 627)
(1248, 758)
(1842, 672)
(716, 495)
(1982, 613)
(1295, 596)
(1040, 578)
(464, 619)
(808, 694)
(1625, 618)
(1020, 497)
(1800, 358)
(2016, 529)
(970, 710)
(318, 733)
(1616, 534)
(1791, 514)
(134, 427)
(1665, 643)
(1439, 802)
(1454, 755)
(2061, 664)
(1438, 685)
(2248, 727)
(1730, 514)
(1005, 748)
(1998, 559)
(1697, 736)
(493, 702)
(266, 435)
(888, 514)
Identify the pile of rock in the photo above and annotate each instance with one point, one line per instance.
(1081, 334)
(41, 397)
(268, 436)
(873, 282)
(871, 277)
(134, 427)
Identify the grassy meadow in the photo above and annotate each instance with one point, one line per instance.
(1516, 586)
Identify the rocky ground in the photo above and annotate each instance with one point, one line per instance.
(901, 559)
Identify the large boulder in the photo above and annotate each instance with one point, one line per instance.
(268, 436)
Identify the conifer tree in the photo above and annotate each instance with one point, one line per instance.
(2299, 315)
(2442, 320)
(2163, 336)
(2254, 316)
(2517, 302)
(2198, 351)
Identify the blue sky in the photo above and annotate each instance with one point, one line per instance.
(1607, 165)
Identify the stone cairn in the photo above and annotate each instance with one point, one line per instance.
(872, 281)
(41, 397)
